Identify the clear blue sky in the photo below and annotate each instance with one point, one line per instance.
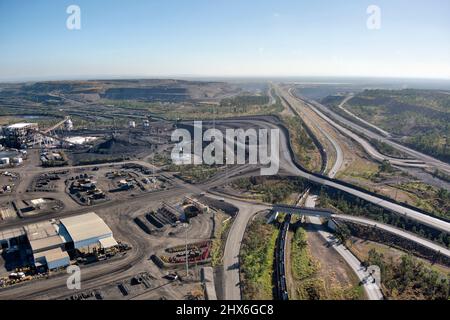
(148, 38)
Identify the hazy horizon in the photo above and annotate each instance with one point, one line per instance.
(224, 39)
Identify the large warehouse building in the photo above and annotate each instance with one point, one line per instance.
(47, 246)
(49, 242)
(87, 231)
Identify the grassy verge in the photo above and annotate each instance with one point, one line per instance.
(221, 233)
(304, 269)
(428, 197)
(257, 255)
(194, 173)
(306, 152)
(273, 189)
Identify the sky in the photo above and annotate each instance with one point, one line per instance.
(223, 38)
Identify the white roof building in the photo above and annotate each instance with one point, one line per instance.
(47, 245)
(87, 230)
(53, 258)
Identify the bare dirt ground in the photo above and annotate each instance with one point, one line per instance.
(333, 267)
(333, 270)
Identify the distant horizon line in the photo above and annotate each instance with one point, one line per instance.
(217, 77)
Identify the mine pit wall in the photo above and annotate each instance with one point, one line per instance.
(387, 238)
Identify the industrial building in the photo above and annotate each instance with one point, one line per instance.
(46, 245)
(87, 231)
(50, 243)
(19, 134)
(10, 239)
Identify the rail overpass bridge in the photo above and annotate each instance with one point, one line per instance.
(301, 211)
(328, 214)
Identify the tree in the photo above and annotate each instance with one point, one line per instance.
(386, 166)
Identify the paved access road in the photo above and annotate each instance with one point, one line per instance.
(339, 153)
(409, 236)
(287, 163)
(347, 99)
(231, 280)
(425, 159)
(371, 150)
(372, 290)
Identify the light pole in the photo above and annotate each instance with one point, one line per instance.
(186, 251)
(226, 168)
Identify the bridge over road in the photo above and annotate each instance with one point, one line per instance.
(328, 214)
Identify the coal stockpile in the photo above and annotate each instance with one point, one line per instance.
(111, 150)
(118, 146)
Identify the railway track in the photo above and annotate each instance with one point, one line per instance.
(280, 259)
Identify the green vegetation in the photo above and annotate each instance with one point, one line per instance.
(257, 257)
(441, 175)
(193, 173)
(386, 166)
(434, 143)
(420, 117)
(409, 278)
(244, 101)
(218, 244)
(428, 197)
(357, 207)
(360, 170)
(271, 189)
(161, 159)
(304, 148)
(403, 186)
(387, 149)
(303, 265)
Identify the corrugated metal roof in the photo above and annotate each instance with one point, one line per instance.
(43, 236)
(86, 226)
(52, 255)
(108, 242)
(12, 233)
(45, 243)
(40, 230)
